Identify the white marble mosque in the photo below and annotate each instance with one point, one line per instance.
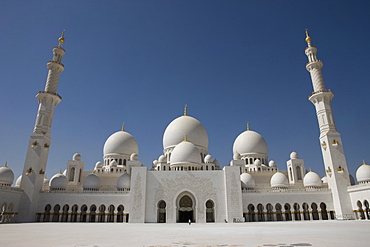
(185, 182)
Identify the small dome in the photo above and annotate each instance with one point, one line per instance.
(311, 179)
(113, 163)
(18, 182)
(363, 173)
(121, 143)
(272, 163)
(91, 182)
(247, 180)
(162, 159)
(58, 182)
(257, 162)
(293, 155)
(98, 165)
(279, 180)
(6, 176)
(134, 157)
(154, 163)
(250, 142)
(185, 125)
(185, 153)
(236, 156)
(324, 180)
(208, 159)
(124, 181)
(76, 157)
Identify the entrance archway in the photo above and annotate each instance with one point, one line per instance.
(185, 209)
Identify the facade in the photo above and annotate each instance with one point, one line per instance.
(185, 183)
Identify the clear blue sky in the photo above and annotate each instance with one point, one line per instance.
(139, 62)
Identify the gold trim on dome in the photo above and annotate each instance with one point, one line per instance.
(123, 126)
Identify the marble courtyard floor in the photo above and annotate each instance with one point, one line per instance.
(279, 234)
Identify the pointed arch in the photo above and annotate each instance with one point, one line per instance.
(65, 213)
(92, 213)
(210, 211)
(83, 216)
(46, 217)
(161, 211)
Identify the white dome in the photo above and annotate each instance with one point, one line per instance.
(162, 159)
(324, 180)
(134, 157)
(293, 155)
(121, 143)
(311, 179)
(185, 125)
(18, 182)
(363, 173)
(76, 157)
(113, 163)
(279, 180)
(247, 180)
(208, 159)
(124, 181)
(58, 182)
(98, 165)
(65, 172)
(185, 153)
(6, 176)
(91, 182)
(250, 142)
(154, 163)
(257, 162)
(272, 163)
(46, 182)
(236, 156)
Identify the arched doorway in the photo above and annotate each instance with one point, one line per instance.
(186, 209)
(161, 212)
(210, 211)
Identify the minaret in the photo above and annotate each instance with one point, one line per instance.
(330, 140)
(39, 143)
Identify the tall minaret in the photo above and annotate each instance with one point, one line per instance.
(330, 140)
(39, 143)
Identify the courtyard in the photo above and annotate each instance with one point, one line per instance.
(279, 234)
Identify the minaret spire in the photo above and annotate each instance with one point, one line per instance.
(330, 139)
(39, 143)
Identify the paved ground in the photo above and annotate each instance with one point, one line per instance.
(279, 234)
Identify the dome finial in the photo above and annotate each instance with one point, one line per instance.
(185, 138)
(123, 126)
(61, 39)
(60, 171)
(363, 162)
(185, 110)
(308, 38)
(6, 164)
(248, 128)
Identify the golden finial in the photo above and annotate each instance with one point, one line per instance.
(310, 169)
(248, 128)
(6, 164)
(185, 110)
(60, 171)
(61, 39)
(185, 138)
(363, 162)
(123, 126)
(308, 38)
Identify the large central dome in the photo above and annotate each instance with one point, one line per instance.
(121, 143)
(250, 142)
(185, 125)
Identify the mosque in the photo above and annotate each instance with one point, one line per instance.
(185, 183)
